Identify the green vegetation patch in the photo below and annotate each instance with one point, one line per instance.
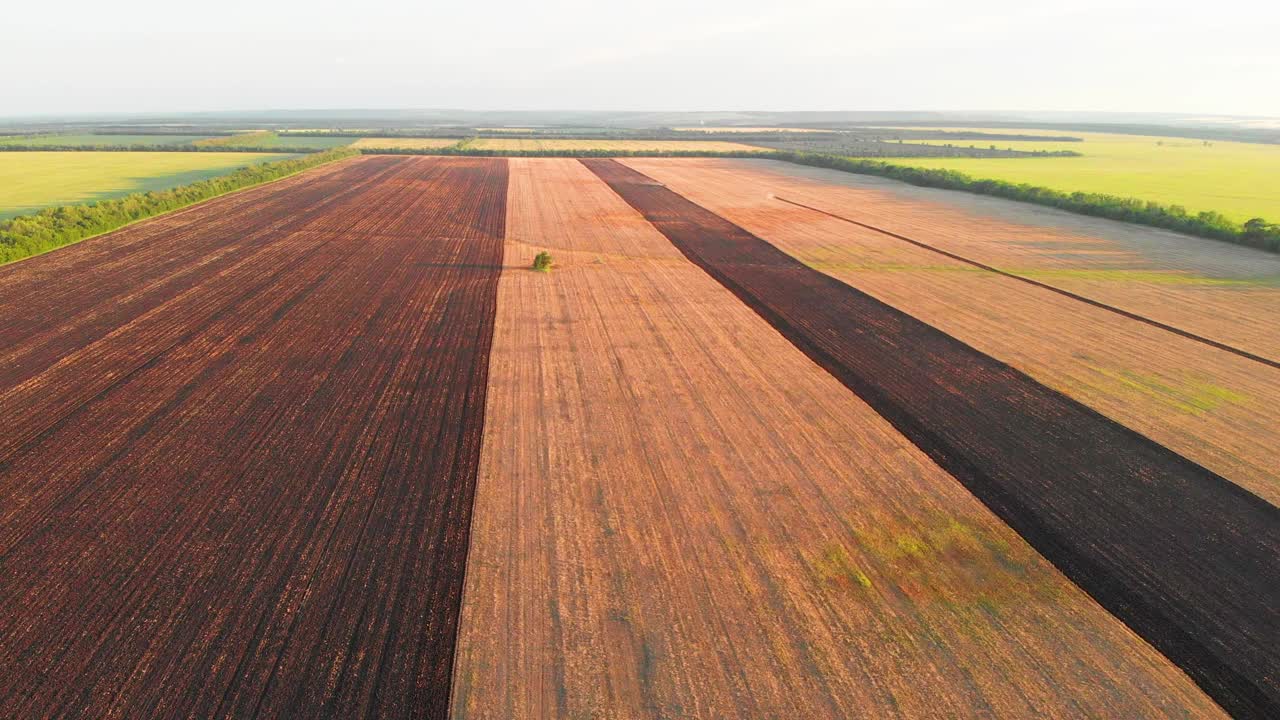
(542, 262)
(33, 180)
(833, 566)
(940, 560)
(1190, 394)
(1235, 179)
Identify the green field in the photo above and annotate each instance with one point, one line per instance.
(1238, 180)
(284, 142)
(33, 180)
(99, 140)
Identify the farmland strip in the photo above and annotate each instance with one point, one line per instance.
(1184, 557)
(1065, 293)
(269, 515)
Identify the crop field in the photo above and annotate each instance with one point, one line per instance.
(291, 142)
(1068, 479)
(1235, 179)
(737, 502)
(100, 140)
(1215, 408)
(637, 145)
(269, 139)
(764, 441)
(387, 143)
(33, 180)
(873, 147)
(172, 544)
(740, 129)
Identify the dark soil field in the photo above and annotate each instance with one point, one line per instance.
(1184, 557)
(241, 446)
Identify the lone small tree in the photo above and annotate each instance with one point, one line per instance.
(542, 262)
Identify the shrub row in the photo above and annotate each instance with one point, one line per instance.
(51, 228)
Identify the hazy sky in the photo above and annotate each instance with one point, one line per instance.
(153, 55)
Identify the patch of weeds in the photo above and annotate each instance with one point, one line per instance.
(834, 567)
(1191, 395)
(950, 563)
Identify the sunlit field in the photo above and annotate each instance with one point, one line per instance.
(1235, 179)
(33, 180)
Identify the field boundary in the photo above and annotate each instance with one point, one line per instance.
(1045, 286)
(1178, 553)
(1257, 233)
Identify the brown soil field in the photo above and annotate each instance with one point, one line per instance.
(241, 449)
(636, 145)
(1222, 291)
(1184, 557)
(678, 514)
(376, 143)
(1217, 409)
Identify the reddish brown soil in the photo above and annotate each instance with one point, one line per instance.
(1184, 557)
(240, 450)
(678, 514)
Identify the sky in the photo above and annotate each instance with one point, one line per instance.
(134, 56)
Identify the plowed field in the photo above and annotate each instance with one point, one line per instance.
(1213, 407)
(328, 447)
(240, 450)
(1183, 556)
(679, 515)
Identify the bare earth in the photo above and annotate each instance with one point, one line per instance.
(679, 515)
(1217, 409)
(1223, 291)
